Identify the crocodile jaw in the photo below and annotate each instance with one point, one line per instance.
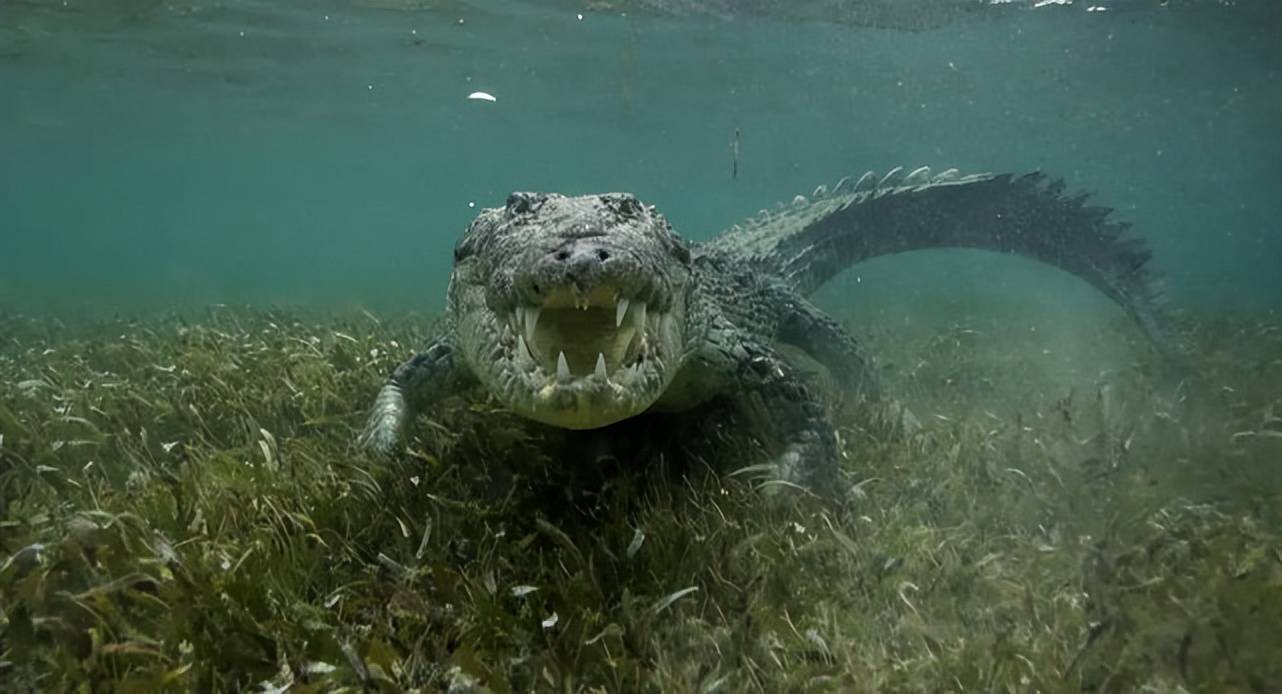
(575, 361)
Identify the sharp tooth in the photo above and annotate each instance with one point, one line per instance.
(620, 310)
(531, 316)
(600, 365)
(562, 368)
(638, 315)
(523, 355)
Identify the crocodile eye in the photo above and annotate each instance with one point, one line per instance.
(680, 250)
(462, 249)
(520, 203)
(467, 243)
(623, 204)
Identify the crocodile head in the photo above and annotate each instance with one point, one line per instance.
(572, 310)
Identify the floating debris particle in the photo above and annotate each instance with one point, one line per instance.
(481, 96)
(734, 156)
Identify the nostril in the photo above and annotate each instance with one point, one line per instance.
(603, 255)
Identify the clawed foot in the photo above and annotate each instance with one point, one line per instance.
(382, 430)
(783, 477)
(379, 440)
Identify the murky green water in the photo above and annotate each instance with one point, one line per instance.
(176, 154)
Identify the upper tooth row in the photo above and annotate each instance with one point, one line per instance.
(620, 310)
(527, 317)
(638, 312)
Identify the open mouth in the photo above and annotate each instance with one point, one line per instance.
(601, 336)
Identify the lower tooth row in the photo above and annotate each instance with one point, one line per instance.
(525, 319)
(563, 373)
(523, 355)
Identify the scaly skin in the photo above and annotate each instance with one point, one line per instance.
(580, 312)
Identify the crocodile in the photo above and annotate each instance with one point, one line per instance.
(583, 311)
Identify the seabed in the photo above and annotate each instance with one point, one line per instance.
(184, 510)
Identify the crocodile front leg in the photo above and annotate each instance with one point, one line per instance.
(768, 398)
(777, 402)
(420, 381)
(812, 330)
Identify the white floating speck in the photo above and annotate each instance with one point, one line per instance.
(471, 204)
(522, 591)
(580, 17)
(481, 96)
(551, 621)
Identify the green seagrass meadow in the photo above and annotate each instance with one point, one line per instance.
(184, 510)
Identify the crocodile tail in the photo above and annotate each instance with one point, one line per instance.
(813, 239)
